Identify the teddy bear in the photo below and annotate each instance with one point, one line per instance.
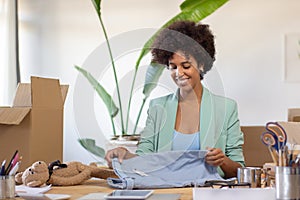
(61, 174)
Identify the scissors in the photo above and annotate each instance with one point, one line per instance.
(275, 136)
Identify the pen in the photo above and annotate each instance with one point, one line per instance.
(274, 154)
(2, 170)
(11, 162)
(280, 163)
(14, 170)
(15, 160)
(284, 157)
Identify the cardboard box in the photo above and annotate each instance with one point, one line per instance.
(34, 123)
(255, 152)
(292, 130)
(294, 114)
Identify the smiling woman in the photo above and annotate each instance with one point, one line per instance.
(188, 50)
(190, 10)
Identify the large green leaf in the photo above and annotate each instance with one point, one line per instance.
(201, 8)
(90, 145)
(106, 98)
(190, 4)
(153, 73)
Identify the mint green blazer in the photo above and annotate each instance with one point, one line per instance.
(219, 126)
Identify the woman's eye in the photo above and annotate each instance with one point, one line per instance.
(186, 65)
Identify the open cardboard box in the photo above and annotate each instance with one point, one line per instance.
(34, 123)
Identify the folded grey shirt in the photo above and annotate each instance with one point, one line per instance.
(163, 170)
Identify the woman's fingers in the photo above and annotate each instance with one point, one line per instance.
(119, 152)
(215, 156)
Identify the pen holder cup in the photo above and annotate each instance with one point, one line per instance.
(250, 175)
(287, 181)
(7, 187)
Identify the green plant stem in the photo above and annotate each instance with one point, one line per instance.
(130, 98)
(113, 126)
(139, 115)
(115, 74)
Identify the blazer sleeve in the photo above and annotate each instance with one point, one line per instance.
(235, 137)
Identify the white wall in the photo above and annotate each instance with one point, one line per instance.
(250, 52)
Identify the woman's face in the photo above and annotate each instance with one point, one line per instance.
(184, 71)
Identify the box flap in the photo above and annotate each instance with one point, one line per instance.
(64, 91)
(292, 130)
(13, 116)
(46, 93)
(23, 95)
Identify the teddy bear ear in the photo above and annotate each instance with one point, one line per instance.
(18, 177)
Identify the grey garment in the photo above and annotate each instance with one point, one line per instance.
(163, 170)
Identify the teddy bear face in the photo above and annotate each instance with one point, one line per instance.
(39, 167)
(36, 175)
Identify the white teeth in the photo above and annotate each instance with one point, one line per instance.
(182, 81)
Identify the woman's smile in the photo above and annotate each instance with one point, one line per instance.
(181, 82)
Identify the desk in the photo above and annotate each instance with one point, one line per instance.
(100, 186)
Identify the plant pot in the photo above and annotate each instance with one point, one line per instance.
(135, 137)
(128, 141)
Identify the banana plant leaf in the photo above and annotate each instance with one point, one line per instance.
(153, 73)
(193, 10)
(90, 145)
(108, 101)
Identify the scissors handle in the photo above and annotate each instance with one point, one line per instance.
(270, 140)
(274, 127)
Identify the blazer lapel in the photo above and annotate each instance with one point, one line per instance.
(207, 123)
(166, 133)
(208, 133)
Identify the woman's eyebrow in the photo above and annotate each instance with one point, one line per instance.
(184, 62)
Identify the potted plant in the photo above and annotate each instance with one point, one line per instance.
(194, 10)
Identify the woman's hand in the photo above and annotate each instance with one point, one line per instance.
(119, 152)
(215, 157)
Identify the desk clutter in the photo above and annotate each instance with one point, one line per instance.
(277, 180)
(40, 174)
(281, 177)
(285, 171)
(7, 176)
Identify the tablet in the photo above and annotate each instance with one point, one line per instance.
(129, 194)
